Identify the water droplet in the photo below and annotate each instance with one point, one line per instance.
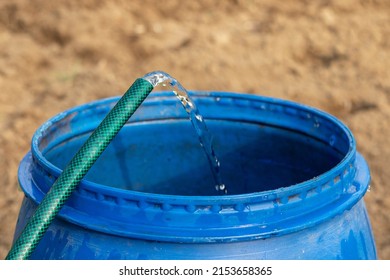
(221, 189)
(199, 117)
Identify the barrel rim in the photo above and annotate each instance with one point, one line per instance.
(337, 183)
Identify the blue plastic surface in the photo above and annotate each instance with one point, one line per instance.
(295, 184)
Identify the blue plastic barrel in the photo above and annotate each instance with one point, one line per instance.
(295, 184)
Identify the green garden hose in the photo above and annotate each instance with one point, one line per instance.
(77, 169)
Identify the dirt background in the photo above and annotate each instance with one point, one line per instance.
(333, 55)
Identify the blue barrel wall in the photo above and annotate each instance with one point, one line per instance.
(295, 184)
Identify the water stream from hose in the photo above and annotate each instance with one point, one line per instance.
(205, 138)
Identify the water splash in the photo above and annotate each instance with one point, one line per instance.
(205, 138)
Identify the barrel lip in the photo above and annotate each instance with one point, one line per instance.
(332, 188)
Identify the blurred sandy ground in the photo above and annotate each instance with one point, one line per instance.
(333, 55)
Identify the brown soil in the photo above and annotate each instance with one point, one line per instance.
(330, 54)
